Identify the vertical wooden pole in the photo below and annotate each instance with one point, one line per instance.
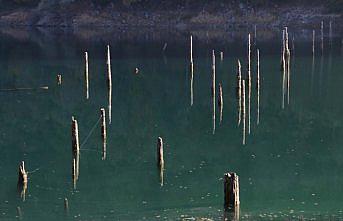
(75, 149)
(191, 70)
(59, 79)
(75, 137)
(22, 174)
(231, 191)
(103, 132)
(249, 82)
(258, 86)
(244, 111)
(160, 158)
(214, 90)
(239, 91)
(288, 61)
(86, 75)
(109, 84)
(220, 102)
(283, 67)
(22, 180)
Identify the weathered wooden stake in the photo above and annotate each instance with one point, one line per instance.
(22, 174)
(103, 132)
(191, 69)
(22, 180)
(75, 137)
(160, 159)
(322, 35)
(283, 67)
(59, 79)
(244, 112)
(231, 191)
(258, 86)
(288, 61)
(249, 82)
(239, 91)
(214, 90)
(220, 102)
(109, 84)
(86, 75)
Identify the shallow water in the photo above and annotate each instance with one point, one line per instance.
(291, 166)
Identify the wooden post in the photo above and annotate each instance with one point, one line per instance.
(288, 61)
(231, 191)
(191, 69)
(86, 75)
(22, 174)
(244, 112)
(59, 79)
(160, 159)
(239, 91)
(220, 102)
(22, 180)
(322, 35)
(214, 90)
(103, 132)
(283, 67)
(75, 137)
(109, 84)
(249, 82)
(258, 86)
(221, 56)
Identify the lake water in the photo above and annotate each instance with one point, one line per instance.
(290, 168)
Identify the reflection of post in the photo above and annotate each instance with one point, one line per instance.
(19, 212)
(249, 82)
(231, 214)
(22, 180)
(313, 41)
(231, 191)
(239, 92)
(214, 90)
(243, 106)
(103, 132)
(322, 35)
(220, 102)
(109, 84)
(258, 86)
(86, 75)
(66, 205)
